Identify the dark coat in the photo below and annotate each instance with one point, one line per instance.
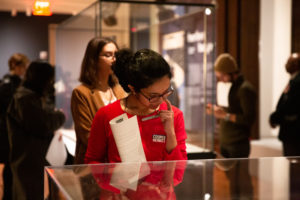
(242, 101)
(287, 113)
(234, 136)
(8, 87)
(31, 125)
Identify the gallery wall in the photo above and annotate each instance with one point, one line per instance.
(23, 34)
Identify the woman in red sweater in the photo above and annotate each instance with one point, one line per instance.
(145, 75)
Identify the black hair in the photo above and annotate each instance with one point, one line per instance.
(39, 77)
(141, 69)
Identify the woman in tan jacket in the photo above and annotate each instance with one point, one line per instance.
(98, 88)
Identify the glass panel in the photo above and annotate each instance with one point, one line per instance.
(72, 37)
(260, 178)
(182, 31)
(184, 35)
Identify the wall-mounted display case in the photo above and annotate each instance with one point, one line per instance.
(181, 30)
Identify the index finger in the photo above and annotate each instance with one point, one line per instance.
(169, 105)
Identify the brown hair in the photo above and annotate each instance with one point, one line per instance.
(88, 74)
(17, 59)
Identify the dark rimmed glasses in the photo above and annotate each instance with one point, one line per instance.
(156, 98)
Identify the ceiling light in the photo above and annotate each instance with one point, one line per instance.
(42, 8)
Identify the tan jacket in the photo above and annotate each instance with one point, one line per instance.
(85, 102)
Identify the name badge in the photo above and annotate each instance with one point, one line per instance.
(159, 138)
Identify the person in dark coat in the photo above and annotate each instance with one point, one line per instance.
(236, 122)
(287, 113)
(31, 123)
(18, 64)
(237, 119)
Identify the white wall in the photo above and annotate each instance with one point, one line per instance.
(274, 50)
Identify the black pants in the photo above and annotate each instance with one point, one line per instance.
(291, 148)
(238, 150)
(7, 180)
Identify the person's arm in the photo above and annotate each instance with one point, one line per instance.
(97, 143)
(248, 101)
(167, 118)
(276, 117)
(220, 113)
(179, 152)
(36, 119)
(81, 116)
(288, 107)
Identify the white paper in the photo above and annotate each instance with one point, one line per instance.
(57, 153)
(126, 133)
(69, 138)
(222, 93)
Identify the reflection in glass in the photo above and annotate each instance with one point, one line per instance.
(217, 179)
(237, 173)
(116, 181)
(140, 180)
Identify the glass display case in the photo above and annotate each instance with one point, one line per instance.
(259, 178)
(182, 31)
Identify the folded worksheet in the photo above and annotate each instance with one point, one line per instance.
(126, 133)
(222, 93)
(56, 153)
(69, 138)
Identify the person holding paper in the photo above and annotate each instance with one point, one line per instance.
(31, 122)
(238, 118)
(146, 76)
(98, 88)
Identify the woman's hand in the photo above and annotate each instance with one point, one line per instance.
(167, 118)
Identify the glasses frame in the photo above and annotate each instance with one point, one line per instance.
(108, 56)
(164, 95)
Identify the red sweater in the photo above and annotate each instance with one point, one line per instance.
(102, 147)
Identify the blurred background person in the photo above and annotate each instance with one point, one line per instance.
(18, 64)
(236, 119)
(287, 113)
(31, 123)
(99, 87)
